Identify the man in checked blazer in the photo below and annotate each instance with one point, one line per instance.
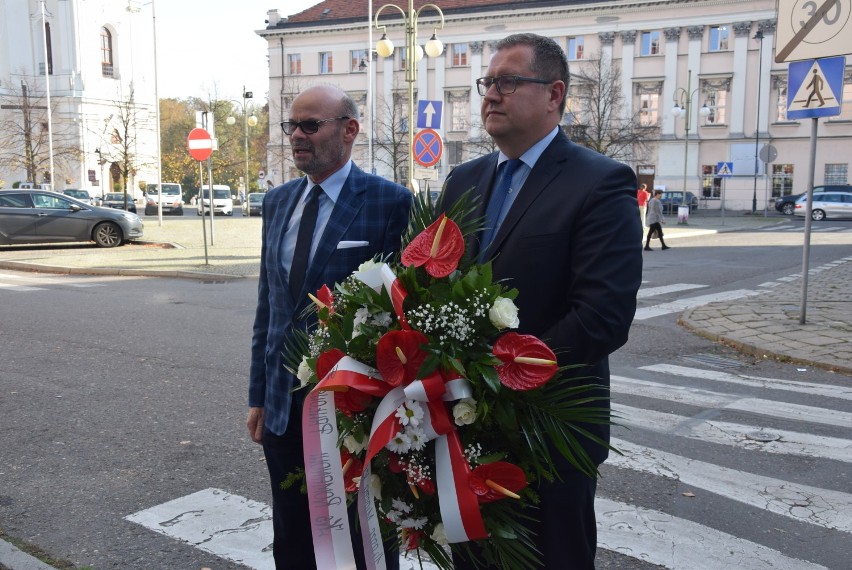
(358, 216)
(568, 238)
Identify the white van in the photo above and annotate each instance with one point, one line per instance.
(172, 199)
(223, 200)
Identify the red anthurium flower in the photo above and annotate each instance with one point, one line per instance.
(427, 486)
(352, 467)
(395, 464)
(411, 538)
(439, 247)
(323, 298)
(327, 360)
(496, 481)
(399, 356)
(527, 362)
(351, 401)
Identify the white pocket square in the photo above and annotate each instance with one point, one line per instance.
(349, 244)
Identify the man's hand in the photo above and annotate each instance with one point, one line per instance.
(254, 423)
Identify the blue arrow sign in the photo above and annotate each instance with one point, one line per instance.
(815, 88)
(429, 114)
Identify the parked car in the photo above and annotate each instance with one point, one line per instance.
(255, 203)
(223, 200)
(172, 196)
(829, 202)
(40, 216)
(787, 204)
(82, 195)
(673, 199)
(116, 200)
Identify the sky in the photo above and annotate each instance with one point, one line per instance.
(228, 53)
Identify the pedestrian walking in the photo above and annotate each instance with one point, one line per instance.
(642, 196)
(655, 220)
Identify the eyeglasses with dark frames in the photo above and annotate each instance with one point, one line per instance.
(506, 84)
(308, 127)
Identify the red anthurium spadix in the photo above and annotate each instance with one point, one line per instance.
(527, 362)
(439, 248)
(495, 481)
(399, 356)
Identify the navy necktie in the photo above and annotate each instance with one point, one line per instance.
(495, 204)
(304, 239)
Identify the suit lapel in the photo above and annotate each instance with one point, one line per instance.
(541, 176)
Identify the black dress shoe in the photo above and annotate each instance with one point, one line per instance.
(666, 247)
(648, 248)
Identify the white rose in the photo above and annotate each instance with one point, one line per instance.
(304, 372)
(368, 265)
(464, 413)
(503, 313)
(376, 486)
(439, 535)
(353, 444)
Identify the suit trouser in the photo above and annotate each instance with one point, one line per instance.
(292, 545)
(566, 531)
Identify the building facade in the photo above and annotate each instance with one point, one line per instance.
(92, 59)
(712, 58)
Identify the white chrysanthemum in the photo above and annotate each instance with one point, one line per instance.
(417, 437)
(304, 372)
(410, 413)
(400, 443)
(382, 319)
(353, 444)
(439, 535)
(416, 524)
(361, 316)
(401, 506)
(464, 413)
(503, 313)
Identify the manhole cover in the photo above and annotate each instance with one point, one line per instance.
(712, 360)
(762, 436)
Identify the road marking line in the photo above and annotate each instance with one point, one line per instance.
(719, 400)
(821, 507)
(654, 291)
(841, 392)
(11, 287)
(681, 544)
(735, 435)
(688, 303)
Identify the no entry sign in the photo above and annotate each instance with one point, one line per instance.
(199, 144)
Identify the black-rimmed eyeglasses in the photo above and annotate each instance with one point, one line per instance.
(308, 127)
(506, 84)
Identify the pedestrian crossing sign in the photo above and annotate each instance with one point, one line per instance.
(815, 88)
(725, 169)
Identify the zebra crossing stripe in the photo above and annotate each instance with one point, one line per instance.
(710, 399)
(677, 287)
(841, 392)
(688, 303)
(821, 507)
(735, 435)
(11, 287)
(672, 542)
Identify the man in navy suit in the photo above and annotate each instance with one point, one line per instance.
(562, 228)
(357, 215)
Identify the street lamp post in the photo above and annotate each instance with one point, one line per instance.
(414, 53)
(248, 121)
(683, 99)
(758, 36)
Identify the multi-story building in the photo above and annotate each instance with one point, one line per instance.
(719, 54)
(92, 60)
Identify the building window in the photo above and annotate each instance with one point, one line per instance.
(575, 49)
(711, 185)
(459, 55)
(458, 115)
(403, 58)
(106, 53)
(49, 44)
(294, 62)
(648, 104)
(846, 106)
(718, 38)
(781, 105)
(836, 173)
(715, 102)
(454, 152)
(326, 62)
(782, 180)
(357, 60)
(650, 43)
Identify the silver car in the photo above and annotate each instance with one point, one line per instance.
(827, 203)
(39, 216)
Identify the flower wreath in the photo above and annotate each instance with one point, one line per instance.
(427, 410)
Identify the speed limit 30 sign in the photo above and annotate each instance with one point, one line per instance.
(813, 29)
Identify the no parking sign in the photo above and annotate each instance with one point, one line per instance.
(427, 147)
